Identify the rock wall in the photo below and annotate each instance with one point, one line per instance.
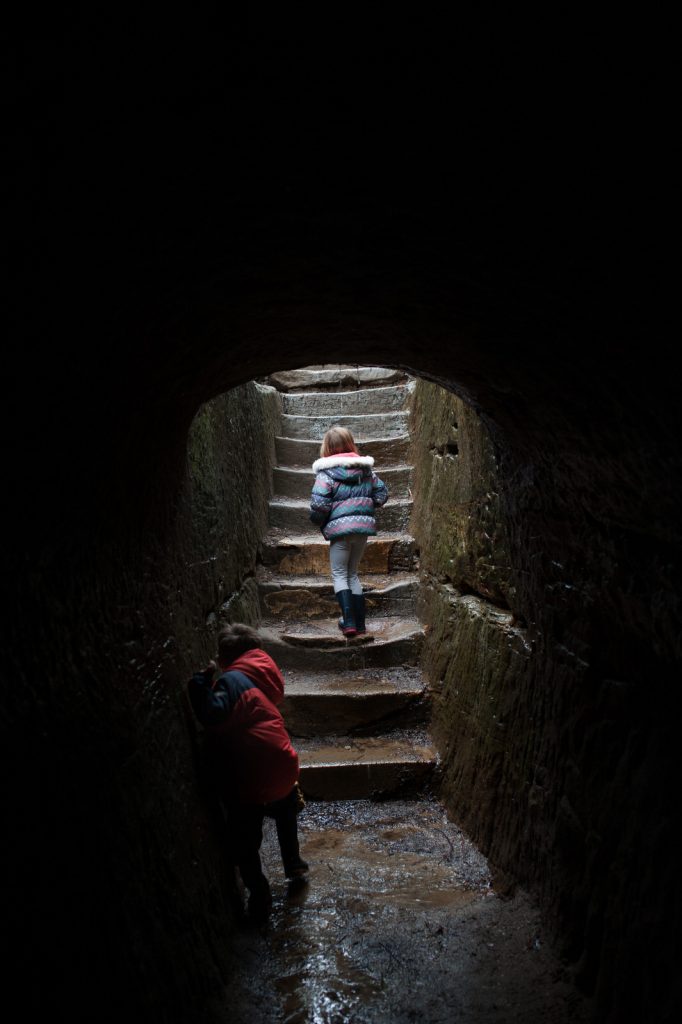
(457, 518)
(475, 652)
(538, 722)
(124, 899)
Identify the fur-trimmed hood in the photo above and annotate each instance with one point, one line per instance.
(346, 461)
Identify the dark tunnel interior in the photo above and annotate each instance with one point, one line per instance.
(194, 209)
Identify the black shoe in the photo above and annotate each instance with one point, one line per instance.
(347, 623)
(259, 909)
(359, 609)
(296, 869)
(260, 903)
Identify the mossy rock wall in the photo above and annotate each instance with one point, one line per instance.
(456, 518)
(113, 784)
(536, 712)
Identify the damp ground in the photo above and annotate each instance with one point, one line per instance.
(397, 922)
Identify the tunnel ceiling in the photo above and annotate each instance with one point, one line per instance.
(211, 211)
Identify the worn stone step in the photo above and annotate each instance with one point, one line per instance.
(353, 768)
(312, 597)
(335, 377)
(363, 401)
(318, 644)
(294, 514)
(289, 482)
(302, 452)
(318, 703)
(301, 553)
(389, 424)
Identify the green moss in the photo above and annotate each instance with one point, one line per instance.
(230, 454)
(457, 520)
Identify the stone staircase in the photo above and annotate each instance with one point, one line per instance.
(356, 708)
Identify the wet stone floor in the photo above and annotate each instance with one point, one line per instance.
(397, 922)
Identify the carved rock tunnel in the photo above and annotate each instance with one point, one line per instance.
(138, 300)
(578, 798)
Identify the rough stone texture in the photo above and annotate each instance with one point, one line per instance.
(230, 494)
(313, 428)
(399, 923)
(185, 218)
(296, 483)
(335, 377)
(303, 453)
(536, 734)
(456, 519)
(116, 817)
(361, 401)
(476, 659)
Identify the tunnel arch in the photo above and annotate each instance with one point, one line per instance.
(571, 459)
(139, 297)
(562, 649)
(580, 474)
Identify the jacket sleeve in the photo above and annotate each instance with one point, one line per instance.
(210, 706)
(321, 498)
(379, 491)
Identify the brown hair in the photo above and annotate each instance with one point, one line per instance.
(336, 440)
(236, 639)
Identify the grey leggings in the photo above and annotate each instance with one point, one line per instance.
(344, 555)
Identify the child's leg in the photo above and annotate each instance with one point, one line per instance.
(357, 549)
(357, 545)
(339, 554)
(285, 814)
(247, 824)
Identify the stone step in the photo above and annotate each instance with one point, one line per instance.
(352, 768)
(312, 597)
(319, 645)
(365, 401)
(335, 377)
(302, 452)
(289, 482)
(313, 428)
(294, 514)
(308, 553)
(318, 703)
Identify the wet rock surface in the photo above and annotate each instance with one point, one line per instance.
(398, 921)
(300, 615)
(334, 376)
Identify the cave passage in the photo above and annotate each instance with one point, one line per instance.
(164, 263)
(400, 914)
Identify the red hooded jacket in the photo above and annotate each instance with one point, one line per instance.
(248, 743)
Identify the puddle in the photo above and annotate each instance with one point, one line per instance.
(396, 923)
(401, 877)
(328, 990)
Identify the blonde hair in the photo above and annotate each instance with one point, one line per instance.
(337, 440)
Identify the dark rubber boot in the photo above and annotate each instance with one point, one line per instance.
(260, 903)
(285, 813)
(359, 609)
(296, 869)
(347, 623)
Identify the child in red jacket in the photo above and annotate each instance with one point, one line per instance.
(254, 765)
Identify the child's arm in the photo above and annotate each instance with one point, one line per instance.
(210, 706)
(379, 490)
(321, 498)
